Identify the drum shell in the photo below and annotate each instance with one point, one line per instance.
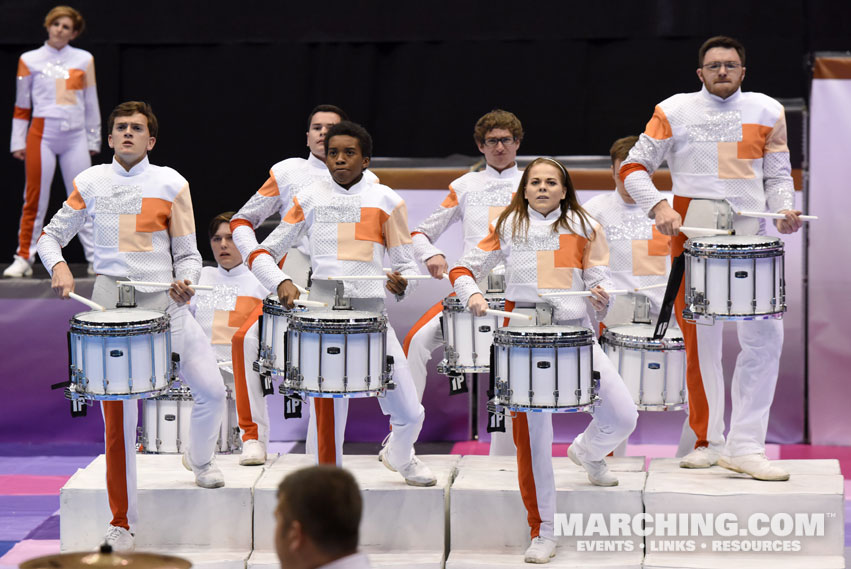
(468, 338)
(654, 371)
(337, 354)
(540, 369)
(120, 360)
(272, 334)
(734, 278)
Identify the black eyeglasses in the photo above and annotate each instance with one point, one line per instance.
(717, 65)
(507, 141)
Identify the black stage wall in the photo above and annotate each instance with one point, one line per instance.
(232, 82)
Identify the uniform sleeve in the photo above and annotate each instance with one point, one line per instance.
(474, 265)
(181, 229)
(427, 232)
(399, 246)
(265, 202)
(595, 266)
(645, 157)
(263, 259)
(23, 107)
(61, 229)
(90, 98)
(777, 169)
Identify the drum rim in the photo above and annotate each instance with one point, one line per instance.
(159, 316)
(534, 338)
(120, 329)
(772, 247)
(494, 300)
(641, 342)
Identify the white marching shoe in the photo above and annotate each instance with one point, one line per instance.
(206, 476)
(701, 457)
(598, 470)
(119, 539)
(415, 472)
(755, 465)
(541, 550)
(20, 267)
(253, 453)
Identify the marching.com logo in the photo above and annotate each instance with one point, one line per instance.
(714, 532)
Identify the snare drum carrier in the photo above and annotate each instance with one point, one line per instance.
(544, 368)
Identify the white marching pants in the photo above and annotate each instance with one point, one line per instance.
(612, 421)
(197, 368)
(251, 406)
(752, 390)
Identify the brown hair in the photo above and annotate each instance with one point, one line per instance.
(131, 108)
(326, 501)
(326, 109)
(519, 205)
(66, 12)
(621, 147)
(224, 217)
(497, 118)
(720, 41)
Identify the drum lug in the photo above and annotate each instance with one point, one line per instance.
(175, 365)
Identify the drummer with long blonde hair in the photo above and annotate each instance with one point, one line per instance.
(550, 244)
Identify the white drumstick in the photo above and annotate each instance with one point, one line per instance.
(377, 277)
(160, 285)
(90, 303)
(648, 287)
(300, 302)
(707, 231)
(581, 293)
(493, 312)
(774, 215)
(301, 289)
(389, 270)
(225, 364)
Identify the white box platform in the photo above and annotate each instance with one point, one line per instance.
(211, 558)
(174, 513)
(815, 488)
(488, 520)
(396, 517)
(397, 560)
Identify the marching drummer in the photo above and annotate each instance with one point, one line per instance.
(475, 199)
(550, 244)
(726, 147)
(351, 221)
(640, 258)
(229, 318)
(144, 230)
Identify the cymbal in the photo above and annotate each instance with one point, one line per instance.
(106, 559)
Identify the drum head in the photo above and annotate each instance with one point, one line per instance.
(630, 333)
(272, 305)
(115, 316)
(734, 243)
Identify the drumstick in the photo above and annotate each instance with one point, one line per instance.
(301, 302)
(389, 270)
(493, 312)
(582, 293)
(774, 215)
(90, 303)
(225, 364)
(648, 287)
(708, 231)
(377, 277)
(160, 285)
(301, 289)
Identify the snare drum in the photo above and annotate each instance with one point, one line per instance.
(654, 370)
(165, 423)
(336, 353)
(273, 329)
(734, 277)
(122, 353)
(468, 338)
(544, 368)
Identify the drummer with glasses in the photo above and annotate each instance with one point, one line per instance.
(475, 200)
(727, 152)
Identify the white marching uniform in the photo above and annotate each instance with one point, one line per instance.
(349, 232)
(639, 255)
(552, 260)
(229, 317)
(144, 229)
(56, 115)
(735, 150)
(475, 199)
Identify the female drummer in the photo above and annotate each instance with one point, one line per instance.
(549, 244)
(56, 89)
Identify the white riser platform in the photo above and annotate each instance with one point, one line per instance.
(396, 517)
(173, 511)
(513, 559)
(815, 487)
(487, 513)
